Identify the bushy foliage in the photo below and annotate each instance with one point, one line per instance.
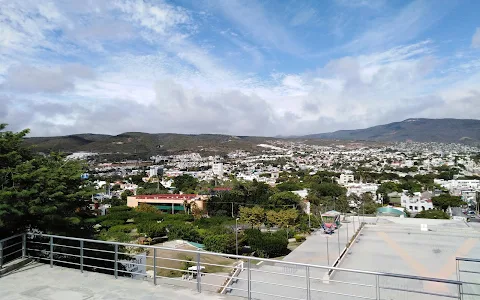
(184, 232)
(267, 244)
(223, 243)
(152, 229)
(433, 214)
(147, 208)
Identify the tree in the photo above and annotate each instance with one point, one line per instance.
(222, 243)
(185, 183)
(283, 199)
(45, 193)
(282, 218)
(125, 194)
(147, 208)
(254, 216)
(446, 200)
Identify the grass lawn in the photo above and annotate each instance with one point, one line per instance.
(164, 259)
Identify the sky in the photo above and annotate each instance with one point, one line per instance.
(235, 67)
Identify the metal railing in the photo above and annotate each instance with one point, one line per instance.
(468, 272)
(12, 248)
(201, 270)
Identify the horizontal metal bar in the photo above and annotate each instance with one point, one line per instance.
(344, 282)
(5, 255)
(278, 284)
(97, 267)
(341, 294)
(263, 259)
(11, 237)
(468, 271)
(66, 246)
(467, 282)
(273, 295)
(216, 265)
(99, 250)
(66, 262)
(40, 243)
(277, 273)
(173, 269)
(470, 294)
(467, 259)
(419, 292)
(13, 245)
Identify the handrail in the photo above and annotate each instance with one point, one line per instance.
(405, 276)
(467, 259)
(11, 237)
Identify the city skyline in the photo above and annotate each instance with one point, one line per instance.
(235, 67)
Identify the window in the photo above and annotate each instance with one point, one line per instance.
(410, 207)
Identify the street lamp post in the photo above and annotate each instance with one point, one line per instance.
(236, 236)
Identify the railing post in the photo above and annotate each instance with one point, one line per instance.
(199, 275)
(51, 252)
(1, 254)
(307, 276)
(154, 266)
(24, 245)
(249, 280)
(457, 264)
(115, 271)
(81, 256)
(460, 294)
(377, 287)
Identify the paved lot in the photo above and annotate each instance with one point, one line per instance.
(39, 281)
(393, 245)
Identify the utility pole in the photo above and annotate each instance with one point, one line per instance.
(236, 236)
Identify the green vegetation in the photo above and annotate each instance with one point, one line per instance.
(45, 193)
(433, 214)
(446, 200)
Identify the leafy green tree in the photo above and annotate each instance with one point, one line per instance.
(147, 208)
(282, 199)
(282, 218)
(446, 200)
(125, 194)
(222, 243)
(255, 216)
(185, 183)
(45, 193)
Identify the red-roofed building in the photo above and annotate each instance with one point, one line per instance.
(168, 202)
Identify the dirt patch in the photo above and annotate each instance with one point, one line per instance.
(171, 259)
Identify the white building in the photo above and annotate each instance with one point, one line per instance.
(418, 202)
(217, 169)
(345, 178)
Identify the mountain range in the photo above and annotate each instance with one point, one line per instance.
(144, 144)
(417, 130)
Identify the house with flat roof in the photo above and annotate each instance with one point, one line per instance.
(170, 203)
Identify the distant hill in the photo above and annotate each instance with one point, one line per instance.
(146, 144)
(418, 130)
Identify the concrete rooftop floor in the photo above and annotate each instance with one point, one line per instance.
(39, 281)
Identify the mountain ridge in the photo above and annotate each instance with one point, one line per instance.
(447, 130)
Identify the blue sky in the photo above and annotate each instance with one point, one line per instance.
(236, 67)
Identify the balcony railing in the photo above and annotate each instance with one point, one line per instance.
(468, 272)
(244, 276)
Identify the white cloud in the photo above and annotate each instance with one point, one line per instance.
(264, 30)
(476, 39)
(28, 79)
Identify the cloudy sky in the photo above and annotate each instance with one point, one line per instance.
(236, 67)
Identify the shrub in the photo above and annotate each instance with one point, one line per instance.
(110, 223)
(300, 238)
(267, 244)
(147, 208)
(122, 228)
(152, 229)
(184, 232)
(116, 209)
(433, 214)
(222, 243)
